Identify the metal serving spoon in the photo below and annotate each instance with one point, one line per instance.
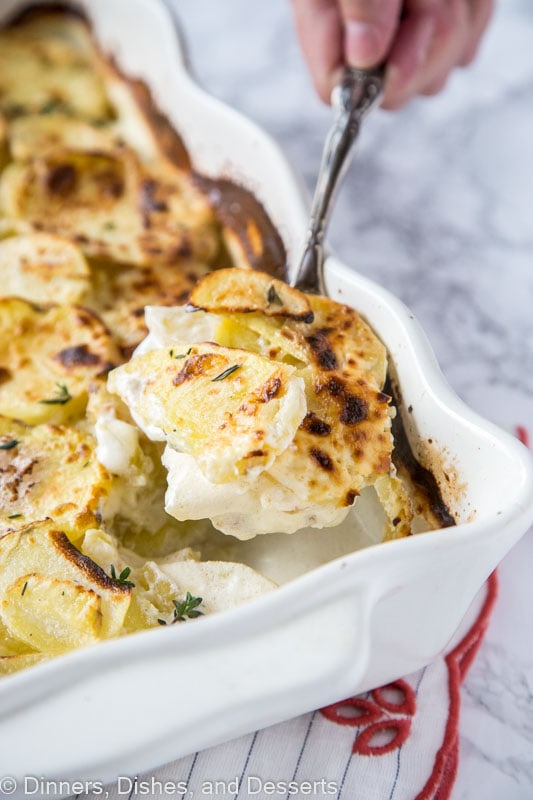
(358, 91)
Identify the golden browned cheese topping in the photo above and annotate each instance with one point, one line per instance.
(157, 285)
(271, 405)
(344, 442)
(219, 404)
(43, 269)
(49, 471)
(49, 356)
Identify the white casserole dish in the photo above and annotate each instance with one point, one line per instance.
(354, 623)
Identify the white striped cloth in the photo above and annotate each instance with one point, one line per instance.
(399, 743)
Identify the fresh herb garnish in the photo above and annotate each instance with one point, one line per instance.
(24, 589)
(9, 445)
(122, 579)
(62, 396)
(273, 296)
(227, 372)
(14, 516)
(183, 355)
(109, 225)
(51, 105)
(185, 609)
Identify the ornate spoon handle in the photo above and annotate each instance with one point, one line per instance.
(358, 91)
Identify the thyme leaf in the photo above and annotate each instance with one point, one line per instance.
(184, 609)
(62, 396)
(9, 445)
(180, 355)
(273, 296)
(227, 372)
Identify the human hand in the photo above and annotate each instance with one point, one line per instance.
(421, 41)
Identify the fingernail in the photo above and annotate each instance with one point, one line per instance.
(362, 43)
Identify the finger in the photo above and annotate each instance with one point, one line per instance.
(434, 87)
(451, 37)
(408, 56)
(481, 13)
(425, 52)
(369, 28)
(319, 28)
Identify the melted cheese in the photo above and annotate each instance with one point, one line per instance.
(233, 410)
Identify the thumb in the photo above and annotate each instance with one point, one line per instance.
(369, 28)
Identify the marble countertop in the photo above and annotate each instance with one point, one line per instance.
(437, 208)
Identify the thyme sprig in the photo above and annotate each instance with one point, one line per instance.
(185, 609)
(122, 579)
(227, 372)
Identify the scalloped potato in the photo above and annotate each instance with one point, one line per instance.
(339, 441)
(253, 407)
(49, 356)
(50, 471)
(100, 215)
(43, 268)
(52, 598)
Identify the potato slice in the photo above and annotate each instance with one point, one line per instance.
(112, 206)
(231, 291)
(168, 285)
(11, 664)
(34, 134)
(49, 471)
(233, 410)
(220, 584)
(48, 358)
(10, 646)
(43, 268)
(54, 598)
(45, 65)
(51, 615)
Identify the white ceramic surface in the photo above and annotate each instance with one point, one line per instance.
(356, 622)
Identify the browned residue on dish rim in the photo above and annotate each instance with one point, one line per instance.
(425, 471)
